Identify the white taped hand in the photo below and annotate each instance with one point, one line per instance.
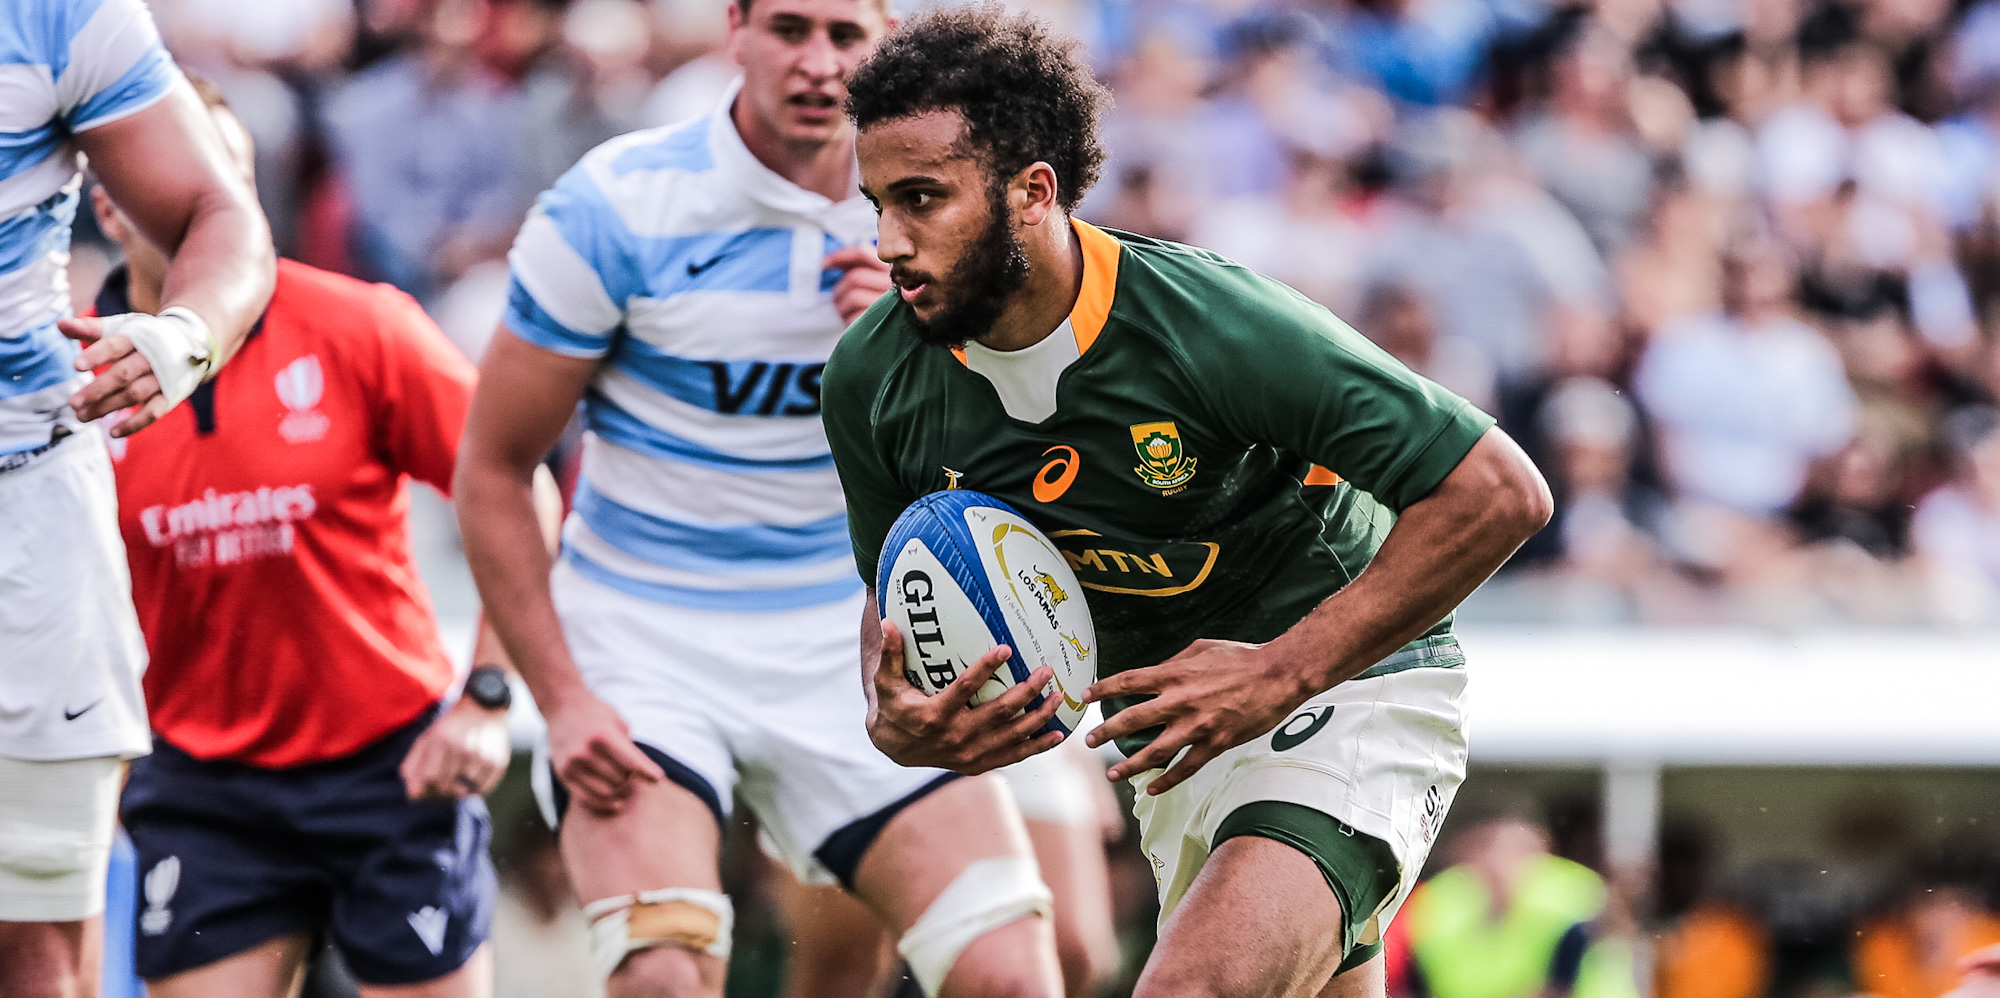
(176, 343)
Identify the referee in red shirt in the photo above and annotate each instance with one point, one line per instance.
(304, 778)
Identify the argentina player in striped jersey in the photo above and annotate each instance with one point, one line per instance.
(90, 78)
(694, 639)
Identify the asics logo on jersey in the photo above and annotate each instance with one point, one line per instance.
(1056, 476)
(773, 389)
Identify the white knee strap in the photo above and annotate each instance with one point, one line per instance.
(690, 918)
(988, 894)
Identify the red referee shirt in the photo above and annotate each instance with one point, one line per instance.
(265, 521)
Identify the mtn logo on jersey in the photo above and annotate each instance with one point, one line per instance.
(300, 385)
(1131, 568)
(1164, 463)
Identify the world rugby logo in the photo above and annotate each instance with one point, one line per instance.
(300, 385)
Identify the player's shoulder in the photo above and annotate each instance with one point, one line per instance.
(653, 182)
(681, 147)
(1200, 301)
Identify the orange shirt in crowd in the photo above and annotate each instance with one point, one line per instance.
(1891, 960)
(265, 522)
(1712, 952)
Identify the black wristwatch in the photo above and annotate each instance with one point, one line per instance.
(487, 687)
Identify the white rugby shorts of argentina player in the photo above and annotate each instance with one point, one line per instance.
(706, 585)
(70, 649)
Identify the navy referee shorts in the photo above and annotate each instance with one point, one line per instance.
(232, 855)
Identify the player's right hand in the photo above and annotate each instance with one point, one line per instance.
(946, 731)
(592, 752)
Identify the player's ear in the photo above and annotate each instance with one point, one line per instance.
(739, 18)
(1037, 187)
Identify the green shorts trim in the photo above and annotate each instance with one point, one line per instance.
(1361, 869)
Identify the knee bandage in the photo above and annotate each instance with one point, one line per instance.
(692, 919)
(987, 894)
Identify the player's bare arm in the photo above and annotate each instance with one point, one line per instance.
(465, 751)
(526, 395)
(946, 731)
(1219, 694)
(167, 168)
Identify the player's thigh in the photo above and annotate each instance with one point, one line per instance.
(1258, 922)
(1071, 857)
(472, 979)
(839, 949)
(1369, 980)
(274, 968)
(56, 827)
(953, 874)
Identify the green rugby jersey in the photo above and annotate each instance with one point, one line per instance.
(1184, 471)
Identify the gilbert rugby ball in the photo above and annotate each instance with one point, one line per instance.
(961, 572)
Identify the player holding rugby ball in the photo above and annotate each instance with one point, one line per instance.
(1275, 638)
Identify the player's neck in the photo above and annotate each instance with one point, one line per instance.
(1055, 278)
(824, 168)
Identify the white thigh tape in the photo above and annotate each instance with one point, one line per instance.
(987, 894)
(176, 342)
(687, 917)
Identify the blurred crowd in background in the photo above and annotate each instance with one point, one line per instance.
(1729, 268)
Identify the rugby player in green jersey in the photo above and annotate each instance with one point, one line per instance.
(1272, 519)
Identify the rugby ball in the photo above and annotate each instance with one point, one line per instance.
(961, 572)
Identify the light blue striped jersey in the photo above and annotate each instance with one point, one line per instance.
(694, 271)
(66, 66)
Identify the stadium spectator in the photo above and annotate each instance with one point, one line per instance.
(305, 779)
(1915, 950)
(1509, 920)
(1746, 401)
(1957, 527)
(430, 144)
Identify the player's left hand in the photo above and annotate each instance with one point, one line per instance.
(1210, 698)
(463, 752)
(126, 379)
(865, 279)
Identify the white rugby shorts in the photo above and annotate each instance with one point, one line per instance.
(1385, 756)
(70, 649)
(56, 821)
(766, 702)
(1054, 786)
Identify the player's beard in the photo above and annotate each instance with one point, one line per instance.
(993, 268)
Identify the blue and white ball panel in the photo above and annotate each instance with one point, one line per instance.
(963, 572)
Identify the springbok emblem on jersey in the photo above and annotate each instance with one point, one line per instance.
(300, 385)
(1164, 463)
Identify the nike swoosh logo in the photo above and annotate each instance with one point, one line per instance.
(70, 715)
(695, 269)
(1288, 736)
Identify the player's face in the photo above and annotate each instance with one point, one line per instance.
(796, 56)
(946, 229)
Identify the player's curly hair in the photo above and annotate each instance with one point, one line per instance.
(1025, 93)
